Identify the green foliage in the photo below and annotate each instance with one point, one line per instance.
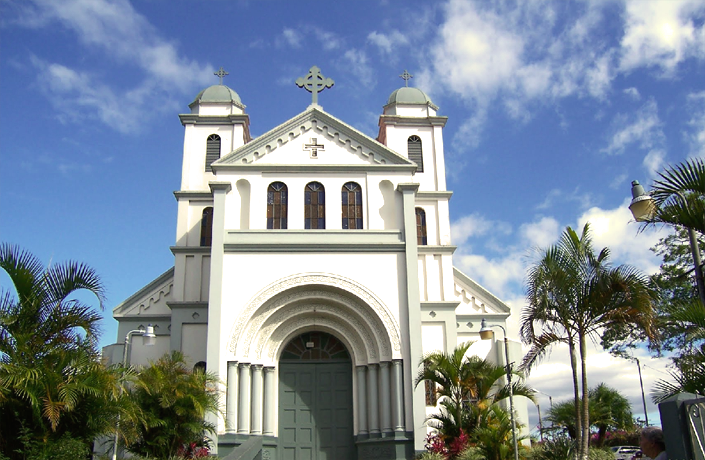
(460, 379)
(493, 439)
(558, 448)
(64, 448)
(679, 195)
(575, 294)
(608, 410)
(173, 401)
(51, 380)
(430, 456)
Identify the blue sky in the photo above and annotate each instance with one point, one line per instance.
(554, 107)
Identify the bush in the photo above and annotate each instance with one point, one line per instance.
(600, 454)
(65, 448)
(431, 456)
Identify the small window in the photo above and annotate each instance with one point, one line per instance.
(314, 206)
(277, 200)
(421, 238)
(212, 150)
(207, 227)
(415, 151)
(199, 367)
(352, 206)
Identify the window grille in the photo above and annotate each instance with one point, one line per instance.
(212, 150)
(421, 238)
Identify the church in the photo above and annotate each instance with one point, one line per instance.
(313, 269)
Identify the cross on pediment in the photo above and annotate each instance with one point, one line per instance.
(314, 83)
(313, 147)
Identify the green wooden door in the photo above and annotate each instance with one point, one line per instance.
(315, 410)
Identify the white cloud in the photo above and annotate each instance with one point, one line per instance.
(696, 137)
(654, 161)
(292, 37)
(496, 275)
(359, 66)
(116, 29)
(616, 229)
(662, 33)
(632, 93)
(642, 127)
(329, 40)
(561, 196)
(540, 234)
(387, 42)
(475, 225)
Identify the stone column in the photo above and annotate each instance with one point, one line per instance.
(361, 401)
(269, 398)
(397, 396)
(386, 396)
(243, 425)
(373, 399)
(256, 427)
(231, 398)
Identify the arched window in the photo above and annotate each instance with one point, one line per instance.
(276, 205)
(212, 150)
(415, 151)
(199, 367)
(352, 206)
(421, 239)
(430, 391)
(207, 227)
(314, 205)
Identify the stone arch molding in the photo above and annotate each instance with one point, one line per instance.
(305, 300)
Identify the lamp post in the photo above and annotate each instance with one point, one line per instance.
(643, 210)
(148, 339)
(486, 334)
(550, 400)
(643, 398)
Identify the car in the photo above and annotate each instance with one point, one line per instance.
(625, 452)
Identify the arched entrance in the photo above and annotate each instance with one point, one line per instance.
(315, 399)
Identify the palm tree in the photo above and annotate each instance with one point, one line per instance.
(174, 401)
(467, 387)
(679, 195)
(608, 410)
(49, 368)
(574, 294)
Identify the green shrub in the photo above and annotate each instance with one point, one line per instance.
(600, 454)
(64, 448)
(430, 456)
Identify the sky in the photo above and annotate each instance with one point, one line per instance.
(553, 108)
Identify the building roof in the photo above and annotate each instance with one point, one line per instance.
(409, 95)
(217, 93)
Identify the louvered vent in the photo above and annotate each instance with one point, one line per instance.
(212, 150)
(415, 152)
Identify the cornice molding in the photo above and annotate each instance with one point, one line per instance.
(190, 250)
(434, 195)
(196, 119)
(436, 249)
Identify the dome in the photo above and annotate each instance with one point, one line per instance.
(409, 95)
(217, 93)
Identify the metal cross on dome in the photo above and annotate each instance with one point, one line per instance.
(221, 73)
(314, 83)
(406, 76)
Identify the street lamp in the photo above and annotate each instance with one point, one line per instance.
(643, 398)
(550, 400)
(486, 334)
(149, 338)
(643, 209)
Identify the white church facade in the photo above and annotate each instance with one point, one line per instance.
(313, 269)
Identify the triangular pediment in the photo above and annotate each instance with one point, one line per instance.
(475, 299)
(151, 300)
(289, 144)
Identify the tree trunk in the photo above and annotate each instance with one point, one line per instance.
(576, 393)
(585, 413)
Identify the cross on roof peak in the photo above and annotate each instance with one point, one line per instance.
(221, 73)
(406, 76)
(314, 83)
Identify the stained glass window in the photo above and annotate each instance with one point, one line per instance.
(212, 150)
(352, 206)
(421, 238)
(277, 205)
(207, 227)
(314, 206)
